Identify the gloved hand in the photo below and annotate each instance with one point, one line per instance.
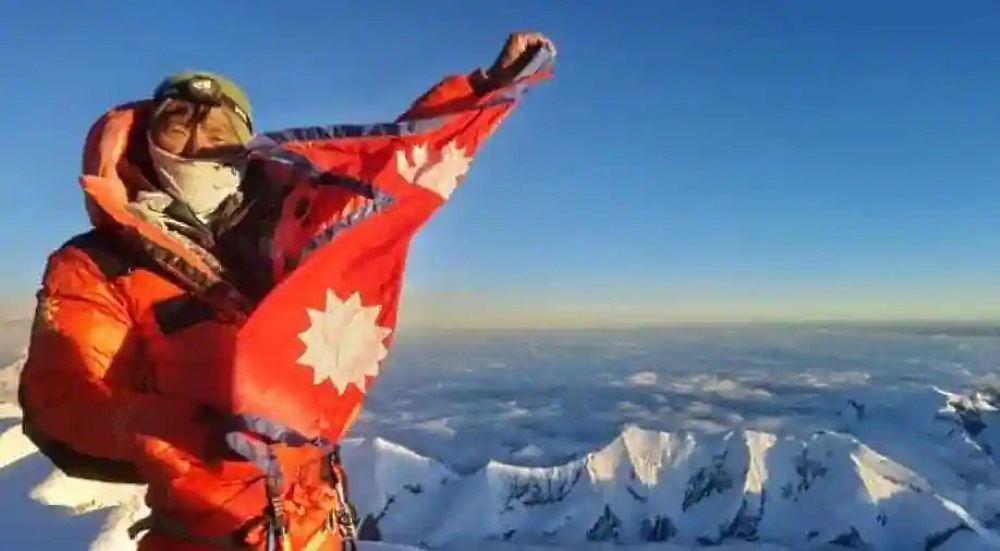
(516, 53)
(217, 426)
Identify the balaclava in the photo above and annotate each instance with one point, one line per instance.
(203, 184)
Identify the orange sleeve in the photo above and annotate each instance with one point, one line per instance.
(82, 332)
(453, 91)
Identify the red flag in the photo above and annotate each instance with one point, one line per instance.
(309, 353)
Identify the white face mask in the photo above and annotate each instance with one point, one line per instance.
(202, 184)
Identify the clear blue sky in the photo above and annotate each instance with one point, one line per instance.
(691, 160)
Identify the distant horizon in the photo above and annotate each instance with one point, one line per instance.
(420, 320)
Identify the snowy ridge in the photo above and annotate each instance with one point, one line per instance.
(974, 413)
(737, 489)
(690, 489)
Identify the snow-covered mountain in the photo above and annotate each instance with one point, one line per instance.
(692, 489)
(645, 486)
(977, 415)
(688, 489)
(886, 478)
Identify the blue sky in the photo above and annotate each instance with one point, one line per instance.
(690, 161)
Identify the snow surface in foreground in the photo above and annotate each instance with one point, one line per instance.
(914, 470)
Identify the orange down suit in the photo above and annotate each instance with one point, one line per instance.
(116, 314)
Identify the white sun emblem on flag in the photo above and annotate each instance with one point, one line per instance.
(441, 176)
(344, 342)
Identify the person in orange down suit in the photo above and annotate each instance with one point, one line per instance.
(115, 312)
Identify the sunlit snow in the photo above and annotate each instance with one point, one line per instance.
(740, 439)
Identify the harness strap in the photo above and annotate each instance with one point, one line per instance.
(278, 538)
(342, 520)
(231, 542)
(254, 437)
(343, 515)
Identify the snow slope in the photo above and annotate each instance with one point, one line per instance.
(693, 489)
(890, 470)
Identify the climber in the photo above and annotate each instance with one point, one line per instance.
(132, 302)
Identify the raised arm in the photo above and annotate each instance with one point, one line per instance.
(459, 91)
(450, 94)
